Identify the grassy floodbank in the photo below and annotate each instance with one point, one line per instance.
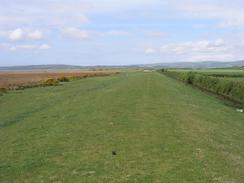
(160, 129)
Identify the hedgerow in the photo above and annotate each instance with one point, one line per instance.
(231, 89)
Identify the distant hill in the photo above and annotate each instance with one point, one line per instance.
(207, 64)
(41, 67)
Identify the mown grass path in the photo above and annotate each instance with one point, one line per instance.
(160, 129)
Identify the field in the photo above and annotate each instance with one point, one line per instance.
(215, 70)
(225, 72)
(15, 79)
(132, 127)
(236, 75)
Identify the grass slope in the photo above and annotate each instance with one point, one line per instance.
(161, 130)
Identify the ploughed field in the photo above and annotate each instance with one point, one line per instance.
(131, 127)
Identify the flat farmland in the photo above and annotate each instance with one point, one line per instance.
(15, 79)
(133, 127)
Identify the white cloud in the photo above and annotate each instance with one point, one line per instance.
(35, 35)
(108, 6)
(80, 34)
(205, 50)
(67, 19)
(42, 13)
(45, 46)
(150, 50)
(22, 34)
(227, 13)
(14, 47)
(203, 46)
(213, 57)
(16, 35)
(75, 33)
(9, 19)
(23, 47)
(76, 12)
(120, 16)
(27, 46)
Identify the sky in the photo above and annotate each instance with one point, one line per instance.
(120, 32)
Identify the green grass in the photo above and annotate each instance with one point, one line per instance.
(161, 130)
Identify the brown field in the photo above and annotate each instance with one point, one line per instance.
(16, 79)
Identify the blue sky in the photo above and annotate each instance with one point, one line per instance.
(120, 32)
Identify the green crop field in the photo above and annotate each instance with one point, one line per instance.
(228, 83)
(234, 74)
(216, 70)
(133, 127)
(236, 78)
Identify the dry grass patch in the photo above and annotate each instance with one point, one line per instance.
(24, 79)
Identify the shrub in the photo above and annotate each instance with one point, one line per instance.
(3, 90)
(63, 79)
(21, 88)
(50, 82)
(190, 77)
(75, 77)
